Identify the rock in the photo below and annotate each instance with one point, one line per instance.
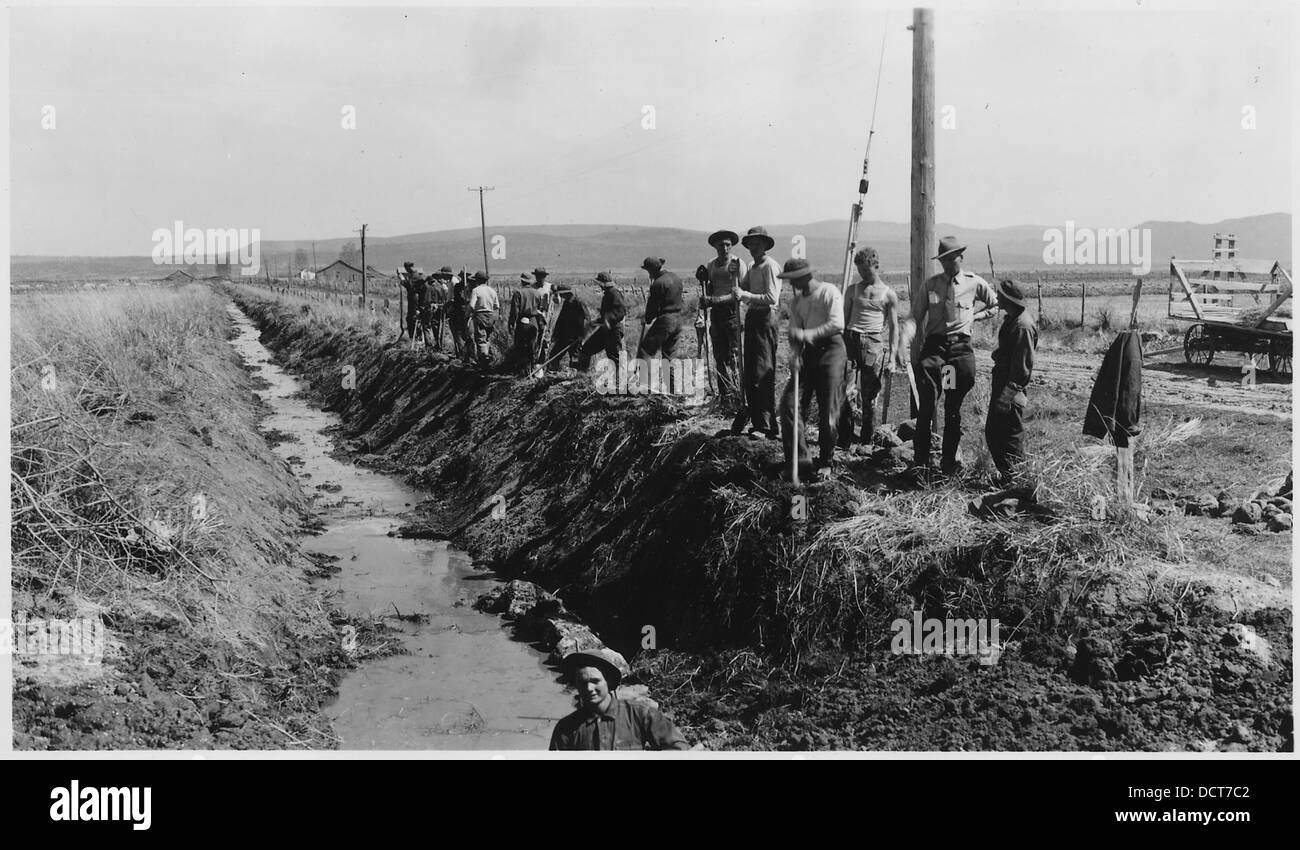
(902, 454)
(1280, 522)
(566, 636)
(1203, 505)
(1240, 734)
(636, 693)
(1286, 487)
(517, 600)
(1247, 513)
(1249, 642)
(1092, 662)
(1225, 502)
(906, 430)
(886, 437)
(1283, 503)
(412, 530)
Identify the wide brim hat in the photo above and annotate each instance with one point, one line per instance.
(540, 271)
(577, 660)
(1008, 289)
(564, 289)
(758, 234)
(948, 245)
(408, 265)
(604, 278)
(652, 264)
(729, 235)
(795, 269)
(479, 277)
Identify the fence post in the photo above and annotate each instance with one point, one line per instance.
(1083, 305)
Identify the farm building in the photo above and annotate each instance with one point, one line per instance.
(180, 276)
(341, 273)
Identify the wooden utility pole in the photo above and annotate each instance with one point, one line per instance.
(314, 267)
(922, 150)
(482, 217)
(363, 263)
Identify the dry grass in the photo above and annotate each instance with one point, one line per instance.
(135, 484)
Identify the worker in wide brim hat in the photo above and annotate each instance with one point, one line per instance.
(602, 721)
(663, 310)
(608, 335)
(944, 309)
(817, 356)
(722, 277)
(760, 293)
(484, 304)
(1013, 367)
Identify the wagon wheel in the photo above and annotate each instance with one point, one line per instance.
(1198, 346)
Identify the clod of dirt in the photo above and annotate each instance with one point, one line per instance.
(1281, 522)
(1249, 642)
(1247, 513)
(423, 531)
(1203, 505)
(1092, 662)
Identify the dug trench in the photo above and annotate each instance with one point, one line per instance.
(754, 629)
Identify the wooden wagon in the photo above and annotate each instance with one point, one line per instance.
(1234, 305)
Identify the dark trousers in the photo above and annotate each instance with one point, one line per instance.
(867, 354)
(724, 336)
(1005, 429)
(760, 369)
(660, 338)
(524, 356)
(459, 322)
(937, 353)
(821, 372)
(606, 339)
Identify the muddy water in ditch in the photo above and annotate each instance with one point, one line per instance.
(464, 684)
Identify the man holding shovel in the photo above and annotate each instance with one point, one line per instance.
(725, 273)
(760, 292)
(817, 360)
(608, 336)
(663, 312)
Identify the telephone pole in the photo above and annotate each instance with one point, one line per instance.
(922, 147)
(482, 217)
(363, 263)
(314, 267)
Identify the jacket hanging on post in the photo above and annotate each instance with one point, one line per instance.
(1115, 408)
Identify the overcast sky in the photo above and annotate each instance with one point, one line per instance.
(232, 117)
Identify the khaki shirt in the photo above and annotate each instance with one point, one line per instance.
(945, 306)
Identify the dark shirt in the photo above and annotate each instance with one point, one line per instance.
(437, 292)
(1115, 407)
(613, 309)
(571, 324)
(1013, 360)
(623, 725)
(665, 296)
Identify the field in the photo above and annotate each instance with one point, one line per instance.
(129, 405)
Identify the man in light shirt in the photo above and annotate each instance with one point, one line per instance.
(945, 309)
(760, 292)
(817, 350)
(870, 312)
(484, 304)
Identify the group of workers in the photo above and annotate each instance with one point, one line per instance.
(832, 333)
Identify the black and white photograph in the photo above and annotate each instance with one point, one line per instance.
(818, 378)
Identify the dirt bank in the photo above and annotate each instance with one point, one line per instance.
(146, 500)
(774, 632)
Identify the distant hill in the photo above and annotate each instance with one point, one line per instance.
(587, 248)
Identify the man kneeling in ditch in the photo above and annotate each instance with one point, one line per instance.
(605, 722)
